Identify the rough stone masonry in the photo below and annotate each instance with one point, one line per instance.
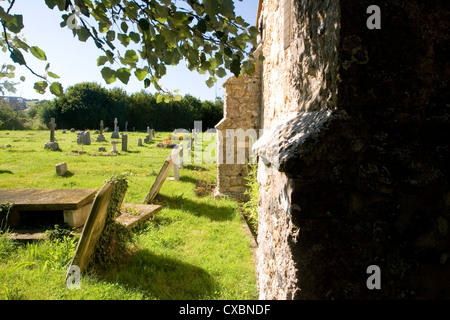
(354, 161)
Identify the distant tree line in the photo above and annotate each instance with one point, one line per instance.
(85, 104)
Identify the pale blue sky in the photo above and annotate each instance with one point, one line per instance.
(76, 61)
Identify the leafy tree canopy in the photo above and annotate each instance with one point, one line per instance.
(140, 38)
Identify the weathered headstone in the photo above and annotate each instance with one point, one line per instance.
(181, 154)
(72, 130)
(92, 228)
(125, 142)
(101, 149)
(139, 142)
(52, 126)
(84, 138)
(61, 169)
(64, 131)
(175, 155)
(189, 148)
(148, 130)
(100, 137)
(126, 126)
(157, 184)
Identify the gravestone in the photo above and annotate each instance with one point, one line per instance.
(126, 126)
(100, 137)
(93, 227)
(114, 146)
(61, 169)
(72, 130)
(52, 126)
(115, 134)
(139, 142)
(84, 138)
(125, 142)
(176, 159)
(189, 148)
(157, 184)
(52, 145)
(64, 131)
(102, 149)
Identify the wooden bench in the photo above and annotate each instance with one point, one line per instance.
(75, 204)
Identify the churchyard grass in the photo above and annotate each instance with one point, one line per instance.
(194, 248)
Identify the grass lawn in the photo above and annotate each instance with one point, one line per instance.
(195, 248)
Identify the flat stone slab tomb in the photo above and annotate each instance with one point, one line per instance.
(75, 204)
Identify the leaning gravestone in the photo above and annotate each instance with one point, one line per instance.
(93, 227)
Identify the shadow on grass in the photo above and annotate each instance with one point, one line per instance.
(163, 278)
(200, 209)
(194, 167)
(6, 171)
(68, 174)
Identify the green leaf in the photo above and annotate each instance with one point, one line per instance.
(211, 7)
(123, 74)
(159, 98)
(124, 39)
(17, 57)
(141, 74)
(235, 66)
(53, 75)
(227, 8)
(38, 53)
(144, 24)
(220, 72)
(22, 78)
(40, 86)
(15, 23)
(177, 98)
(102, 60)
(83, 34)
(136, 37)
(210, 82)
(56, 88)
(124, 27)
(201, 26)
(109, 75)
(110, 35)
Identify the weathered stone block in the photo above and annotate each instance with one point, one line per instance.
(61, 169)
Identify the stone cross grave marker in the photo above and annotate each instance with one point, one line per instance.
(100, 137)
(52, 145)
(115, 134)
